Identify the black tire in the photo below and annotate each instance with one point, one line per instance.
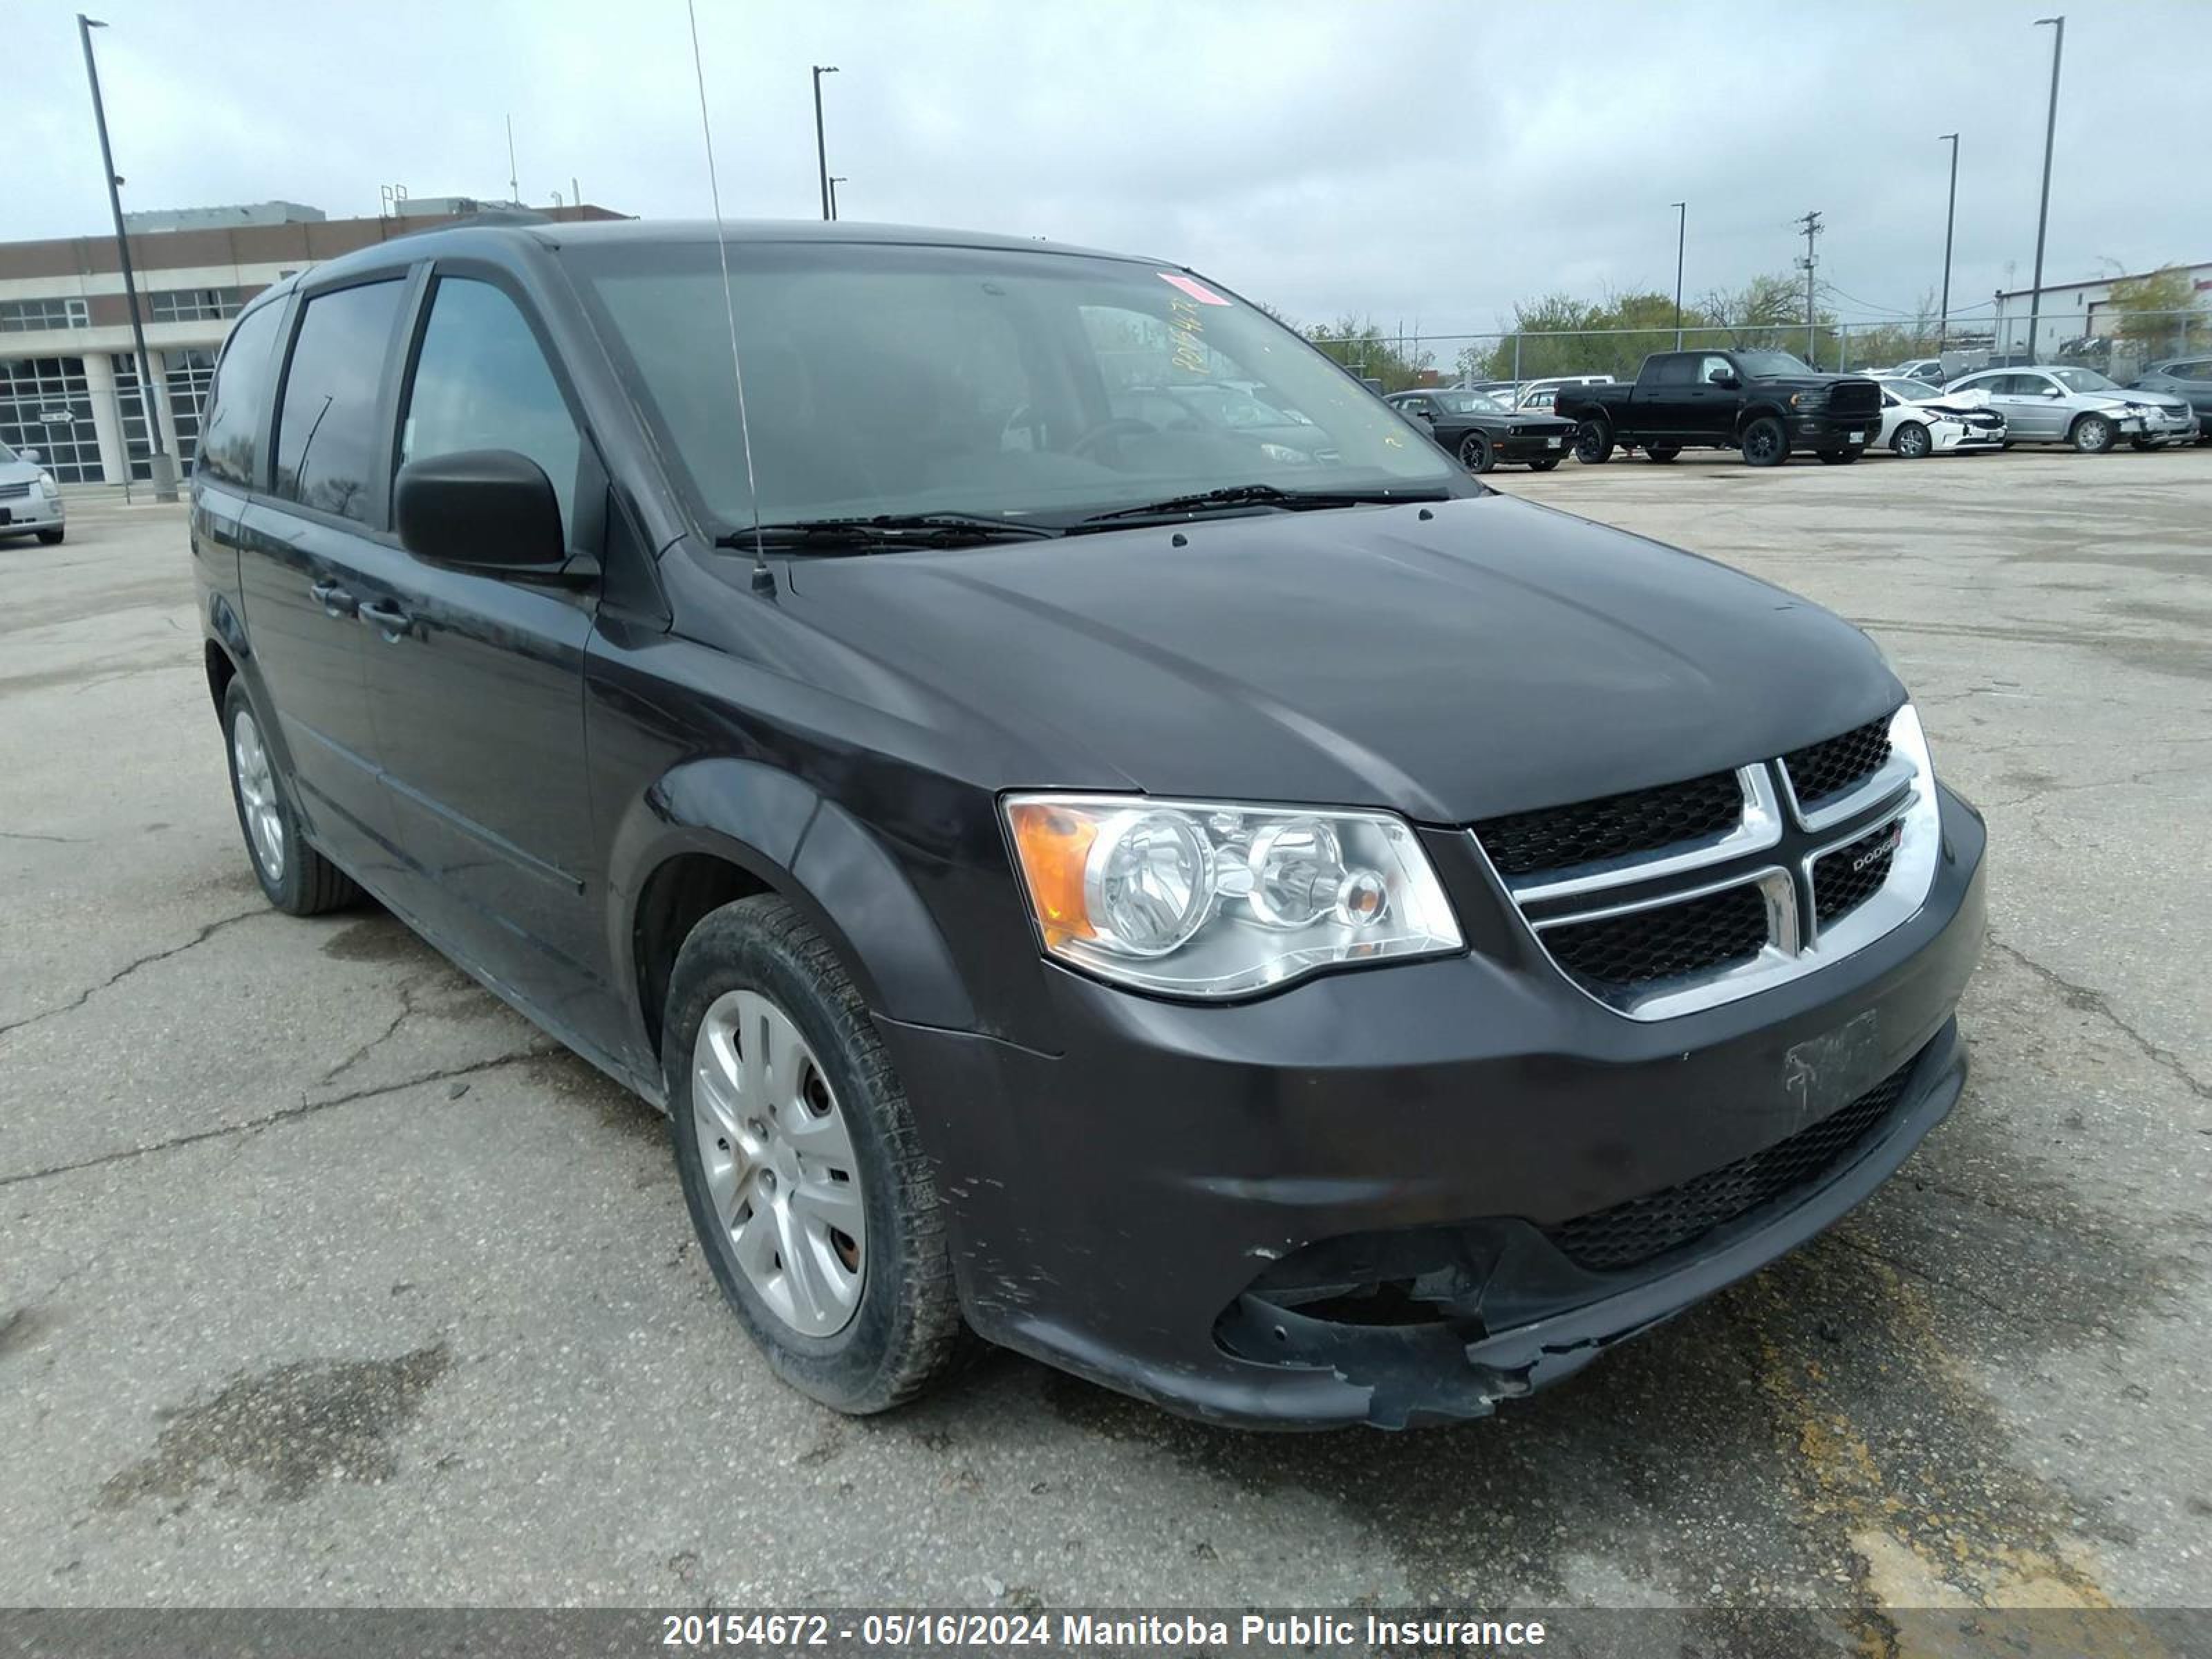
(1475, 452)
(1593, 443)
(1911, 441)
(1661, 451)
(1840, 457)
(304, 882)
(1543, 463)
(50, 538)
(2093, 435)
(1765, 443)
(906, 1331)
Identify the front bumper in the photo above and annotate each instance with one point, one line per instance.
(1819, 429)
(1950, 437)
(1536, 446)
(20, 513)
(2177, 429)
(1122, 1208)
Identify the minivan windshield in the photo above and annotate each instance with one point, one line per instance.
(900, 379)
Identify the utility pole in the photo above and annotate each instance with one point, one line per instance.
(1950, 218)
(1811, 225)
(1682, 230)
(2043, 213)
(160, 463)
(835, 179)
(821, 147)
(513, 185)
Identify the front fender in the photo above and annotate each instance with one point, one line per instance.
(812, 852)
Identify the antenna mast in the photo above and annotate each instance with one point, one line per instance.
(763, 578)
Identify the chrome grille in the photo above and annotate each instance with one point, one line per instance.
(14, 492)
(1660, 901)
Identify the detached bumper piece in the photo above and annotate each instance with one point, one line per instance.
(1441, 1323)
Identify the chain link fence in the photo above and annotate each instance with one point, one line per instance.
(2134, 341)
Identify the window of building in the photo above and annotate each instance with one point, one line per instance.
(131, 414)
(241, 392)
(31, 316)
(326, 436)
(188, 373)
(481, 382)
(195, 305)
(46, 404)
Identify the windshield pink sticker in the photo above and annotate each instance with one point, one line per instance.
(1191, 286)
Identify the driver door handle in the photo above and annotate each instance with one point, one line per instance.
(334, 599)
(387, 619)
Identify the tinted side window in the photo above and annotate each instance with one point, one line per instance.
(1673, 371)
(326, 427)
(481, 382)
(241, 389)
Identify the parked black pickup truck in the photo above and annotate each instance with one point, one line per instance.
(1765, 404)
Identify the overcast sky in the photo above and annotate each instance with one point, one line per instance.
(1403, 159)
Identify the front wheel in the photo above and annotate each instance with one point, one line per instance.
(2093, 434)
(297, 879)
(1474, 453)
(817, 1208)
(50, 538)
(1911, 441)
(1765, 442)
(1593, 443)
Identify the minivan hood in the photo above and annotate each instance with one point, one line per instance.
(1480, 656)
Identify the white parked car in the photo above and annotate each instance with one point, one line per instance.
(1919, 420)
(2053, 404)
(30, 500)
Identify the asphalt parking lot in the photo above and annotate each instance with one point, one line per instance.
(325, 1278)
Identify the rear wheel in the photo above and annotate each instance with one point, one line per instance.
(2093, 435)
(1593, 443)
(810, 1194)
(1911, 441)
(1474, 452)
(1662, 451)
(297, 879)
(1765, 442)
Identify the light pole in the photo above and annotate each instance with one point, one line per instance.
(159, 462)
(2043, 213)
(835, 179)
(820, 149)
(1682, 230)
(1950, 216)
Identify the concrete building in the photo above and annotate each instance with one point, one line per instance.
(68, 378)
(2072, 311)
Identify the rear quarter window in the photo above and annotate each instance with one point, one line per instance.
(240, 394)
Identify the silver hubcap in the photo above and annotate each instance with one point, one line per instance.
(780, 1174)
(257, 788)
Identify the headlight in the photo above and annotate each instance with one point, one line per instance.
(1211, 899)
(48, 488)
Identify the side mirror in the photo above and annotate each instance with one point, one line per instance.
(1723, 379)
(31, 456)
(2049, 391)
(480, 509)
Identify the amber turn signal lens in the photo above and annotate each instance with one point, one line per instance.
(1053, 845)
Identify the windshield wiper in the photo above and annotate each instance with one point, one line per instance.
(895, 529)
(1262, 495)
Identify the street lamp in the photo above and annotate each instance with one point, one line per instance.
(835, 179)
(2043, 213)
(159, 463)
(820, 149)
(1682, 230)
(1950, 216)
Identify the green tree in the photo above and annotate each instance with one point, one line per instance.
(1359, 343)
(2155, 312)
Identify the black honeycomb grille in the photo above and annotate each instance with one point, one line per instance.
(1642, 1228)
(1696, 936)
(1612, 826)
(1854, 398)
(1823, 770)
(1846, 879)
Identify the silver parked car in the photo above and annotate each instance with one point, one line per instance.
(2052, 404)
(30, 500)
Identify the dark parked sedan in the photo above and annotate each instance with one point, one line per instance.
(1482, 433)
(1303, 941)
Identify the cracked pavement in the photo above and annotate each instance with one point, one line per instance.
(325, 1278)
